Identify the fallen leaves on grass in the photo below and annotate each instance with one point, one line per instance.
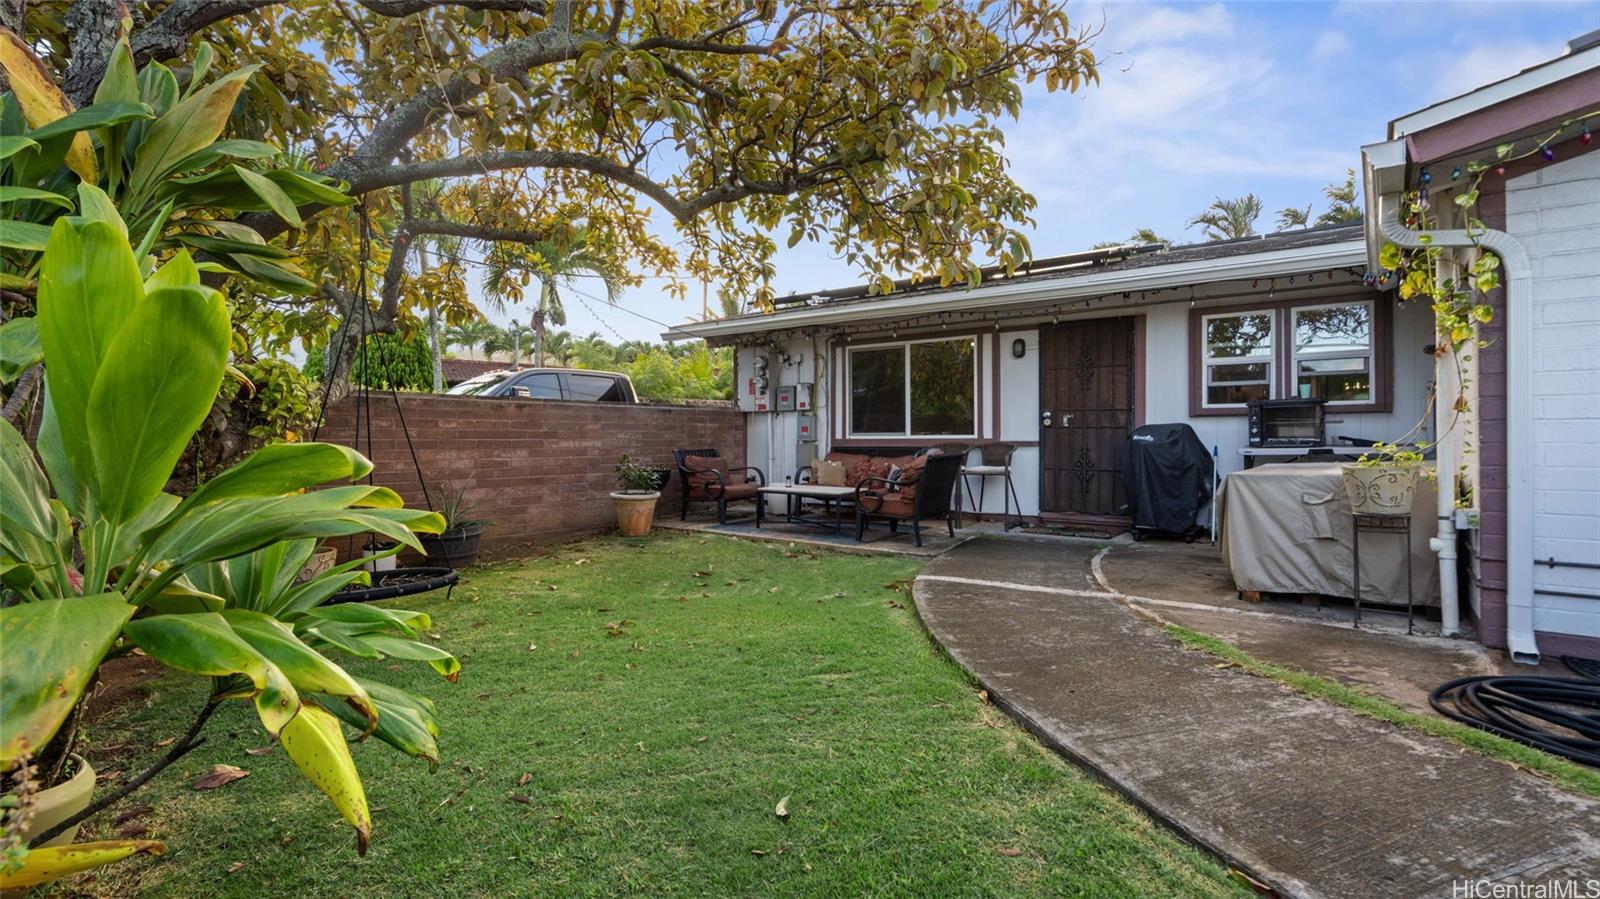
(236, 867)
(138, 811)
(782, 811)
(259, 750)
(518, 797)
(162, 744)
(525, 779)
(532, 647)
(1008, 852)
(219, 776)
(618, 628)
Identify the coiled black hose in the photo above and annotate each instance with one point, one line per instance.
(1544, 712)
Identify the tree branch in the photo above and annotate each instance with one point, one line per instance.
(95, 26)
(397, 8)
(168, 34)
(191, 741)
(472, 231)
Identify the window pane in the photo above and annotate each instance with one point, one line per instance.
(546, 386)
(1220, 394)
(1232, 336)
(1336, 380)
(941, 387)
(1334, 329)
(878, 391)
(1248, 373)
(596, 389)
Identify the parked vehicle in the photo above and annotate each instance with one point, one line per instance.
(580, 385)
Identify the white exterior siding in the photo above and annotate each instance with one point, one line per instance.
(1555, 213)
(1165, 399)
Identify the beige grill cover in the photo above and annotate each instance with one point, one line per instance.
(1287, 529)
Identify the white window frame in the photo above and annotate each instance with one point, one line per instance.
(905, 347)
(1207, 362)
(1295, 355)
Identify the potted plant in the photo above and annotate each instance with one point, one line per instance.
(636, 501)
(457, 545)
(1383, 482)
(97, 559)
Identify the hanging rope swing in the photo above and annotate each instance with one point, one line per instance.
(390, 583)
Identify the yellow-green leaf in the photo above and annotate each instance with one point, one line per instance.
(42, 102)
(55, 862)
(315, 743)
(52, 648)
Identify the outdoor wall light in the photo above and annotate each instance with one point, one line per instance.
(1019, 348)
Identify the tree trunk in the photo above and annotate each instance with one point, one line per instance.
(433, 322)
(538, 339)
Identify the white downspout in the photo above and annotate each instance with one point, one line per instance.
(1518, 281)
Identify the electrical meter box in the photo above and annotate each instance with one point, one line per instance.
(802, 397)
(807, 426)
(752, 380)
(783, 398)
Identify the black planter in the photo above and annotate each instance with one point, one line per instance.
(663, 475)
(455, 548)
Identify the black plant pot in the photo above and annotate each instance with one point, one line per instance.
(663, 475)
(455, 548)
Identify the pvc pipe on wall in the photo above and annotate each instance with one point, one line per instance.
(1518, 280)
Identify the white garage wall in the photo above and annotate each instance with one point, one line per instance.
(1555, 213)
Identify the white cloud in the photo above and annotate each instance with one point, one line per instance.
(1135, 25)
(1461, 71)
(1330, 44)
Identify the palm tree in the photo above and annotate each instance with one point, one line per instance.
(1342, 205)
(558, 348)
(555, 266)
(471, 335)
(515, 340)
(730, 304)
(1229, 219)
(1290, 217)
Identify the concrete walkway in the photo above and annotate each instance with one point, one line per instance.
(1305, 796)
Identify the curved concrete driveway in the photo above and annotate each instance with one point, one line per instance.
(1305, 796)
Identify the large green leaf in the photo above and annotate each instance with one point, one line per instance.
(190, 125)
(89, 285)
(405, 722)
(24, 492)
(281, 468)
(19, 347)
(270, 273)
(155, 386)
(373, 618)
(11, 194)
(12, 144)
(204, 644)
(222, 245)
(237, 149)
(52, 649)
(15, 235)
(71, 489)
(306, 668)
(120, 83)
(270, 194)
(98, 115)
(315, 743)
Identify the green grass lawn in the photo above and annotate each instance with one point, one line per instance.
(662, 696)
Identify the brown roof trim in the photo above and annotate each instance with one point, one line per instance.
(1495, 124)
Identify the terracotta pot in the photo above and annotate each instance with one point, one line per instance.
(320, 561)
(635, 512)
(61, 802)
(1380, 489)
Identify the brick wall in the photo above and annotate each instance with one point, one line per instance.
(538, 469)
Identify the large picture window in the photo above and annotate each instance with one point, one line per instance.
(921, 388)
(1331, 351)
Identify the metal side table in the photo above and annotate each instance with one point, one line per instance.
(1383, 524)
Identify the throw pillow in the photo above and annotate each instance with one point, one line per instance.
(697, 464)
(894, 476)
(828, 474)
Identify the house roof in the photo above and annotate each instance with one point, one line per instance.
(458, 370)
(1096, 272)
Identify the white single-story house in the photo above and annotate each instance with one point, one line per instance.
(1065, 356)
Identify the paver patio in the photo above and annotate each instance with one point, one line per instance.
(1308, 797)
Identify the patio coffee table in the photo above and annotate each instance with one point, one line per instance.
(837, 497)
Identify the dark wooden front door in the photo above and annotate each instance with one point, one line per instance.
(1086, 411)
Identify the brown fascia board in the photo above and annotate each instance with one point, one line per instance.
(1535, 112)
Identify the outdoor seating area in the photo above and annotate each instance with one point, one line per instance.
(864, 488)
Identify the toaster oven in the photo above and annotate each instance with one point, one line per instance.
(1292, 422)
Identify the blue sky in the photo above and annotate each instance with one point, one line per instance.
(1199, 100)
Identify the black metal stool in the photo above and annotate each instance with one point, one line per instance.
(1383, 524)
(996, 463)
